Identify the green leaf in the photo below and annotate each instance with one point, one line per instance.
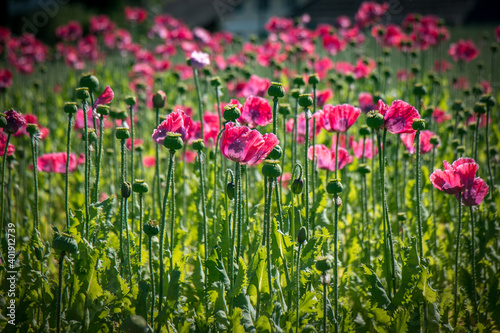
(241, 279)
(308, 303)
(263, 325)
(378, 294)
(400, 321)
(257, 274)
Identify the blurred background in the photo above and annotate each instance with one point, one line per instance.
(244, 17)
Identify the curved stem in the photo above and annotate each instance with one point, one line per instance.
(457, 252)
(68, 150)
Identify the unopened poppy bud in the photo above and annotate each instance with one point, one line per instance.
(103, 110)
(401, 217)
(302, 235)
(173, 141)
(488, 99)
(461, 149)
(181, 88)
(215, 81)
(305, 100)
(122, 133)
(324, 264)
(374, 119)
(434, 140)
(32, 129)
(480, 108)
(325, 279)
(126, 190)
(82, 93)
(295, 93)
(284, 109)
(198, 145)
(70, 107)
(419, 90)
(65, 243)
(276, 153)
(231, 112)
(151, 228)
(364, 130)
(364, 169)
(298, 81)
(313, 79)
(458, 105)
(159, 99)
(276, 90)
(89, 81)
(130, 100)
(140, 186)
(271, 169)
(334, 186)
(230, 190)
(418, 125)
(297, 186)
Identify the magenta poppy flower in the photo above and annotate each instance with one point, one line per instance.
(69, 32)
(56, 162)
(177, 122)
(357, 147)
(3, 140)
(326, 157)
(339, 118)
(440, 116)
(199, 59)
(100, 24)
(149, 161)
(301, 126)
(497, 33)
(5, 79)
(323, 96)
(15, 121)
(284, 179)
(365, 100)
(135, 14)
(474, 195)
(399, 117)
(105, 98)
(256, 86)
(242, 145)
(456, 176)
(463, 50)
(256, 111)
(425, 144)
(370, 12)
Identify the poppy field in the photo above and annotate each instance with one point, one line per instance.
(161, 178)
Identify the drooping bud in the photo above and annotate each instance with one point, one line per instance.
(230, 190)
(126, 190)
(302, 235)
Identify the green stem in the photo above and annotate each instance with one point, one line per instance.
(59, 290)
(132, 166)
(99, 156)
(141, 212)
(157, 164)
(488, 158)
(34, 154)
(297, 271)
(325, 295)
(306, 168)
(238, 209)
(172, 219)
(313, 162)
(336, 155)
(433, 210)
(275, 118)
(68, 150)
(200, 107)
(457, 252)
(473, 261)
(129, 264)
(335, 262)
(267, 216)
(278, 204)
(204, 212)
(218, 107)
(87, 170)
(122, 210)
(152, 277)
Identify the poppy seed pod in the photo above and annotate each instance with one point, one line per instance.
(82, 93)
(334, 186)
(305, 100)
(64, 243)
(295, 93)
(92, 136)
(139, 148)
(493, 47)
(364, 169)
(364, 130)
(455, 143)
(434, 140)
(302, 235)
(230, 190)
(276, 90)
(374, 119)
(181, 88)
(419, 90)
(284, 109)
(89, 81)
(461, 149)
(32, 129)
(130, 100)
(215, 81)
(477, 89)
(173, 141)
(198, 145)
(103, 110)
(298, 81)
(488, 99)
(276, 153)
(271, 169)
(324, 263)
(297, 186)
(480, 108)
(458, 105)
(313, 79)
(70, 107)
(159, 99)
(461, 130)
(140, 186)
(401, 217)
(231, 112)
(151, 228)
(126, 190)
(122, 133)
(418, 124)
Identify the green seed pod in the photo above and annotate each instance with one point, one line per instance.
(207, 71)
(364, 169)
(276, 153)
(122, 133)
(324, 264)
(313, 79)
(488, 99)
(295, 93)
(140, 186)
(349, 78)
(89, 81)
(493, 47)
(276, 90)
(401, 217)
(457, 105)
(151, 228)
(418, 125)
(374, 119)
(284, 109)
(297, 186)
(231, 112)
(139, 148)
(434, 140)
(173, 141)
(215, 81)
(477, 89)
(230, 190)
(126, 190)
(305, 100)
(364, 130)
(480, 108)
(70, 107)
(92, 136)
(130, 100)
(64, 243)
(302, 235)
(493, 151)
(271, 169)
(461, 130)
(455, 143)
(103, 110)
(198, 145)
(419, 90)
(159, 100)
(334, 186)
(298, 81)
(82, 93)
(461, 149)
(32, 129)
(181, 88)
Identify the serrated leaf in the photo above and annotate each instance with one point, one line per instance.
(257, 274)
(378, 294)
(263, 325)
(400, 321)
(241, 279)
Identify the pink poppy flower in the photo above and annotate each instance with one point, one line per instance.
(474, 195)
(463, 50)
(323, 96)
(149, 161)
(399, 117)
(339, 118)
(357, 147)
(462, 83)
(15, 121)
(56, 162)
(5, 79)
(177, 122)
(105, 98)
(3, 140)
(256, 111)
(100, 24)
(135, 14)
(441, 66)
(456, 176)
(188, 156)
(440, 116)
(365, 100)
(256, 86)
(301, 126)
(199, 59)
(497, 33)
(284, 179)
(137, 142)
(326, 157)
(278, 24)
(333, 44)
(242, 145)
(425, 144)
(370, 12)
